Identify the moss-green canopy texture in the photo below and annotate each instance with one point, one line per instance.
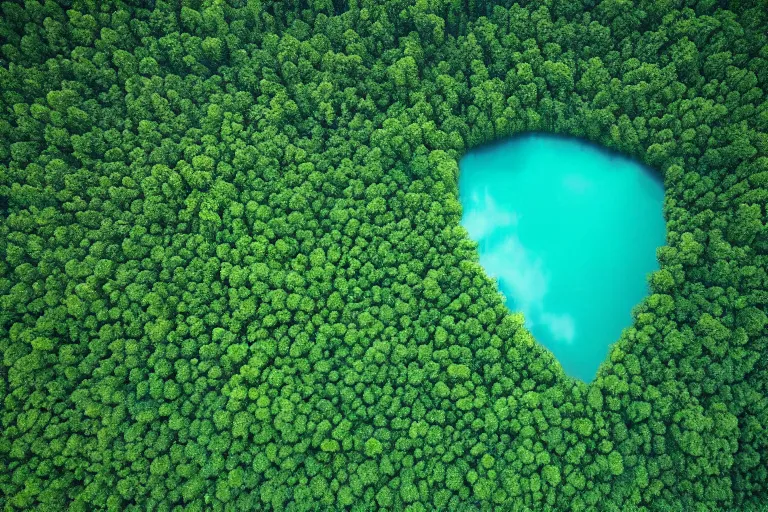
(233, 276)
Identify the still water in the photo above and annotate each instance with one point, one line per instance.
(570, 231)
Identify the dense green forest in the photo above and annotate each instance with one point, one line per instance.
(232, 275)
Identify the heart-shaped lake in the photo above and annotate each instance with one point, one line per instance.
(570, 231)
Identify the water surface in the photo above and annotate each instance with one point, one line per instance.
(570, 231)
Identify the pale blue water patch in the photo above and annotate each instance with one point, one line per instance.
(570, 231)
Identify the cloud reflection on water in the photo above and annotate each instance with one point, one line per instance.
(521, 273)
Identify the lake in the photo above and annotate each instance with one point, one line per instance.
(570, 231)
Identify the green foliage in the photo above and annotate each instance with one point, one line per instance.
(232, 275)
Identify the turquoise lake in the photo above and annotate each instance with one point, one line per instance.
(570, 232)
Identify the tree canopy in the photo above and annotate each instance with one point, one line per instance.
(232, 275)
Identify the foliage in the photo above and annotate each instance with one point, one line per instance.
(234, 279)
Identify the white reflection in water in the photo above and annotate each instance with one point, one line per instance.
(520, 272)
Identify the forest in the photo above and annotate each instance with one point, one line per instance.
(232, 275)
